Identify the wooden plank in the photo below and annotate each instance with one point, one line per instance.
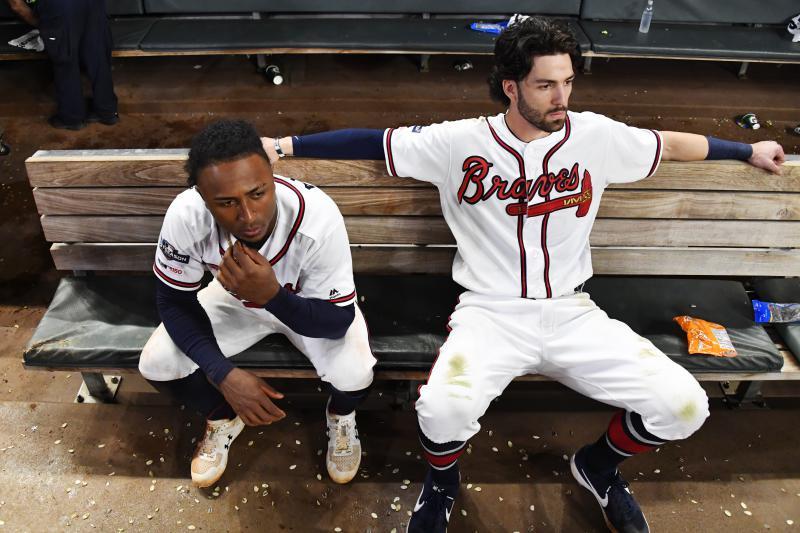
(155, 200)
(700, 205)
(433, 230)
(366, 260)
(111, 201)
(285, 51)
(57, 169)
(719, 176)
(682, 233)
(145, 229)
(435, 259)
(625, 55)
(695, 261)
(425, 202)
(125, 168)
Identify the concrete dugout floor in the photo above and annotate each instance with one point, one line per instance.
(739, 458)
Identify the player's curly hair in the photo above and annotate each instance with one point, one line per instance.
(220, 141)
(516, 46)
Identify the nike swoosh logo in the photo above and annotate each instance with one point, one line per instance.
(604, 500)
(419, 504)
(447, 512)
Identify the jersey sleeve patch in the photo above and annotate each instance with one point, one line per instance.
(172, 253)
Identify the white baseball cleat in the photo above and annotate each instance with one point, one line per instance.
(344, 448)
(211, 455)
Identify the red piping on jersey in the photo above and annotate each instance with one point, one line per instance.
(343, 298)
(174, 281)
(389, 157)
(297, 221)
(658, 154)
(523, 263)
(546, 218)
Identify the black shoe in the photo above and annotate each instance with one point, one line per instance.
(56, 122)
(108, 120)
(620, 509)
(433, 508)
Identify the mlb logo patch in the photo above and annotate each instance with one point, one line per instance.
(416, 129)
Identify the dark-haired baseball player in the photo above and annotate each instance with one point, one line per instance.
(281, 262)
(520, 192)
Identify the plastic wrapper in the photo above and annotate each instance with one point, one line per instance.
(706, 337)
(772, 312)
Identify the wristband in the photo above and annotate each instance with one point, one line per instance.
(277, 145)
(721, 149)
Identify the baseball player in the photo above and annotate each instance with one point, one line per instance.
(280, 258)
(520, 192)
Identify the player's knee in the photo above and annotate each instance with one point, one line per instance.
(685, 412)
(152, 363)
(355, 375)
(446, 412)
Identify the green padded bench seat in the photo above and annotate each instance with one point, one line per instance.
(103, 322)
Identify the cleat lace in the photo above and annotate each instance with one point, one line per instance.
(343, 442)
(619, 491)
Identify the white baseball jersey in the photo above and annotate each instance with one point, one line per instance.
(521, 212)
(308, 249)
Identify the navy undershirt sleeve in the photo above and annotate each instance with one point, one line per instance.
(354, 143)
(311, 317)
(190, 329)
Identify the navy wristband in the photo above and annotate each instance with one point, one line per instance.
(721, 149)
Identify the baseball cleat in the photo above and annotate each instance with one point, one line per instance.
(434, 505)
(211, 455)
(620, 510)
(344, 448)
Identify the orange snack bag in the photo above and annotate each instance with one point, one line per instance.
(706, 337)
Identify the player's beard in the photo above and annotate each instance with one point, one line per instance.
(537, 118)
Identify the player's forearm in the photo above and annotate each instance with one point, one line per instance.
(355, 143)
(680, 146)
(190, 329)
(311, 317)
(24, 12)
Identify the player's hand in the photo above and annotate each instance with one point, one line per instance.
(269, 147)
(767, 155)
(251, 397)
(248, 275)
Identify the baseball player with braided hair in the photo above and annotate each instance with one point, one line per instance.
(520, 191)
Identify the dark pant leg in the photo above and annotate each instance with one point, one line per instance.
(196, 392)
(61, 25)
(95, 51)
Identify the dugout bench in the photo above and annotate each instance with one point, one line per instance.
(680, 242)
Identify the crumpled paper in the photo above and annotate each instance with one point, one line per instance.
(29, 41)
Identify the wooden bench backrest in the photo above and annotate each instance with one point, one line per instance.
(102, 210)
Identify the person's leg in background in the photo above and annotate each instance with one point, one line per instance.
(61, 25)
(95, 52)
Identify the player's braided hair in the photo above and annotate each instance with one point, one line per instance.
(516, 46)
(224, 140)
